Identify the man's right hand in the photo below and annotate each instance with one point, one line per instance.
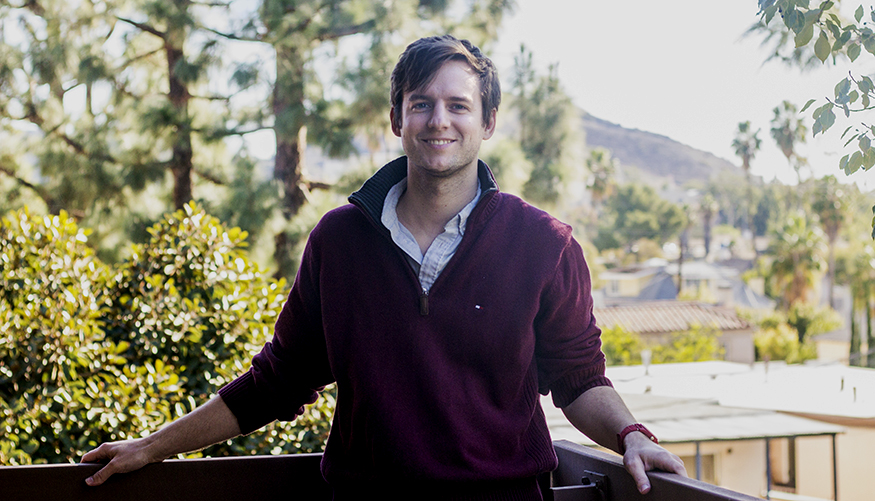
(210, 423)
(121, 457)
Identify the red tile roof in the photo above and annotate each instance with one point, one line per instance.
(668, 316)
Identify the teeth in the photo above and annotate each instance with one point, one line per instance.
(439, 142)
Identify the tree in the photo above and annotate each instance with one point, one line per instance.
(707, 209)
(837, 38)
(549, 128)
(788, 131)
(746, 145)
(830, 203)
(602, 169)
(810, 320)
(141, 125)
(302, 109)
(636, 212)
(797, 255)
(176, 93)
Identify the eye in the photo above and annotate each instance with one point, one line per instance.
(420, 106)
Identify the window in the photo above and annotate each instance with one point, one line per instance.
(782, 458)
(707, 474)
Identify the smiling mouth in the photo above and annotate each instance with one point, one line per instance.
(438, 142)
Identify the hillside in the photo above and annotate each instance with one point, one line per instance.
(656, 157)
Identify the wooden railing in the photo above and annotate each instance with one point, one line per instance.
(583, 475)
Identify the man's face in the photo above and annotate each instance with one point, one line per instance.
(441, 125)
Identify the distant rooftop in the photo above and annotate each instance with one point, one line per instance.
(832, 391)
(686, 420)
(668, 316)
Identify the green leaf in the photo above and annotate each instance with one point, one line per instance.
(827, 118)
(842, 88)
(821, 47)
(858, 14)
(865, 143)
(846, 131)
(869, 43)
(868, 158)
(804, 36)
(851, 139)
(809, 103)
(769, 13)
(826, 5)
(854, 163)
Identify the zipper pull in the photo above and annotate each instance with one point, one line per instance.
(423, 302)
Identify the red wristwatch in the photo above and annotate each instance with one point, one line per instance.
(621, 437)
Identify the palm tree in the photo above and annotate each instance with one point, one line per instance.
(831, 205)
(746, 145)
(789, 131)
(602, 169)
(707, 208)
(797, 252)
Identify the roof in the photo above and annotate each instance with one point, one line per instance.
(668, 316)
(661, 287)
(827, 391)
(685, 420)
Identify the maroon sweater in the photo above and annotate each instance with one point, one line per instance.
(440, 388)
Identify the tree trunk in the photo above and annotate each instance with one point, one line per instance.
(831, 273)
(291, 143)
(854, 355)
(181, 160)
(870, 341)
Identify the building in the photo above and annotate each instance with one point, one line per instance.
(655, 321)
(837, 402)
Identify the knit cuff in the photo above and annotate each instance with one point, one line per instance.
(242, 397)
(575, 384)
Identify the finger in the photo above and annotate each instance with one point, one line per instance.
(672, 464)
(101, 476)
(635, 467)
(96, 455)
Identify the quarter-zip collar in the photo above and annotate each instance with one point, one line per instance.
(370, 197)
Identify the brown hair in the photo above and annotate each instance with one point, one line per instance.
(422, 59)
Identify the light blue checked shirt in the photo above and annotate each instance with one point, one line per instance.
(430, 265)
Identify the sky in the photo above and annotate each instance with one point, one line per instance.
(679, 68)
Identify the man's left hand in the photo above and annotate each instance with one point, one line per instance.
(642, 455)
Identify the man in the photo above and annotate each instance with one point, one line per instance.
(440, 307)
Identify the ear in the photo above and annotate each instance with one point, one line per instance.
(489, 128)
(396, 124)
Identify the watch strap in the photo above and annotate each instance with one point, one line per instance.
(621, 437)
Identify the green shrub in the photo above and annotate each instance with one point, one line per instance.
(620, 346)
(698, 344)
(90, 354)
(782, 343)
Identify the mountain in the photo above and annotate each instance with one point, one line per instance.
(651, 157)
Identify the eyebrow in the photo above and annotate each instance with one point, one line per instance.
(423, 97)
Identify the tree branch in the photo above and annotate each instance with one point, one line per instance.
(144, 27)
(209, 177)
(343, 31)
(39, 190)
(231, 36)
(231, 132)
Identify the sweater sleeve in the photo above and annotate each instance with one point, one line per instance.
(568, 349)
(293, 367)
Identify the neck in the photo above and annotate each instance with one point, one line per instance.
(430, 202)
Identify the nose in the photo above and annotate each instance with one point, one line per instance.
(440, 117)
